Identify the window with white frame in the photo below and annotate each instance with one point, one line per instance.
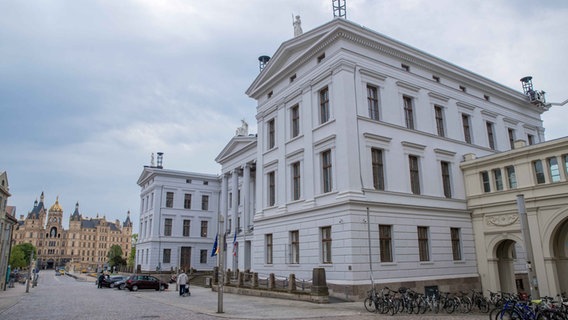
(294, 247)
(414, 174)
(455, 234)
(324, 105)
(378, 169)
(490, 134)
(271, 181)
(296, 180)
(326, 244)
(498, 179)
(423, 243)
(439, 114)
(268, 243)
(511, 177)
(373, 102)
(446, 179)
(167, 227)
(326, 171)
(385, 242)
(408, 112)
(295, 121)
(466, 126)
(271, 130)
(169, 199)
(554, 169)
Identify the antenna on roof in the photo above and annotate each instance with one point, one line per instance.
(339, 9)
(262, 61)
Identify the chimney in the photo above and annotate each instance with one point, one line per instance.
(159, 160)
(262, 61)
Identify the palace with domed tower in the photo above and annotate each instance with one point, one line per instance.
(84, 246)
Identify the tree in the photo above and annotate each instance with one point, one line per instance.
(115, 256)
(21, 255)
(132, 255)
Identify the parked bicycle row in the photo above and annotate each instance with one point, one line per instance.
(404, 300)
(515, 306)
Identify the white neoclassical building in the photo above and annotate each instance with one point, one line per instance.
(359, 132)
(178, 219)
(355, 169)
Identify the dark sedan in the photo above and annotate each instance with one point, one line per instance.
(135, 282)
(109, 282)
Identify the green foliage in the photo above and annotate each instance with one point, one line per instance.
(132, 255)
(21, 255)
(115, 256)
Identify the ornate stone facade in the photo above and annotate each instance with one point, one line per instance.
(84, 246)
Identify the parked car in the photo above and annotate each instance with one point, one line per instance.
(59, 271)
(121, 284)
(135, 282)
(109, 281)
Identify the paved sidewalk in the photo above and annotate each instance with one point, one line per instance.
(204, 301)
(12, 296)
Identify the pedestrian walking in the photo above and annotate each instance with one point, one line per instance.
(182, 282)
(100, 280)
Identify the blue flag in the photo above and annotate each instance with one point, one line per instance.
(215, 250)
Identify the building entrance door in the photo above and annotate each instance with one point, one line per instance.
(185, 258)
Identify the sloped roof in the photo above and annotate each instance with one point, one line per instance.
(237, 145)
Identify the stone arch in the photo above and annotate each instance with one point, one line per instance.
(551, 229)
(555, 250)
(494, 241)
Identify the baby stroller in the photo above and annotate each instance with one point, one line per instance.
(186, 292)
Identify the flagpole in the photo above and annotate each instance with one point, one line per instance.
(220, 256)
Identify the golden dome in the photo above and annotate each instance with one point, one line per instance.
(56, 206)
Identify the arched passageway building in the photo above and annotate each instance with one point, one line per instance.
(539, 173)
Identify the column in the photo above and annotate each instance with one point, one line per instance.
(235, 212)
(247, 221)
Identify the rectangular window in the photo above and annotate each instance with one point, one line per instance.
(271, 188)
(565, 161)
(168, 227)
(167, 256)
(324, 105)
(326, 170)
(295, 121)
(169, 199)
(456, 243)
(296, 180)
(373, 102)
(498, 178)
(423, 244)
(538, 171)
(378, 169)
(446, 179)
(187, 201)
(326, 244)
(466, 128)
(186, 227)
(205, 203)
(294, 247)
(511, 133)
(204, 227)
(485, 181)
(511, 177)
(385, 242)
(268, 242)
(530, 139)
(554, 169)
(490, 134)
(271, 129)
(440, 120)
(202, 256)
(408, 112)
(414, 174)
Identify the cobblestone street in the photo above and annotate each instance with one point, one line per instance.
(63, 297)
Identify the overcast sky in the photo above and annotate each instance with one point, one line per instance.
(90, 89)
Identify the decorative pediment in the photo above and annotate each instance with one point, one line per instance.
(237, 145)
